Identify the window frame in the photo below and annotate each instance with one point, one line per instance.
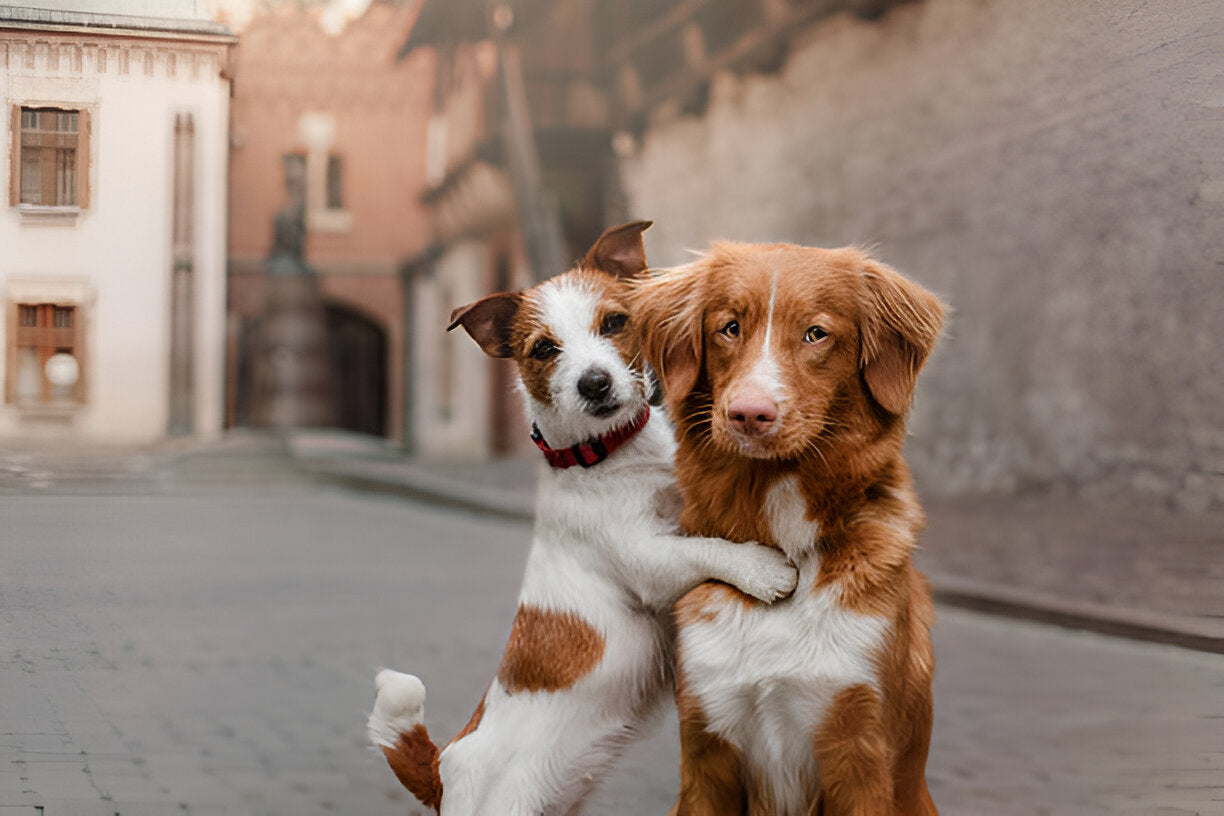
(75, 335)
(333, 195)
(84, 139)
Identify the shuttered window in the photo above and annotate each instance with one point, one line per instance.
(50, 157)
(45, 365)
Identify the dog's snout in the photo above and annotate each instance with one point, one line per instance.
(595, 384)
(752, 414)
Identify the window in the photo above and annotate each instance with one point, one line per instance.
(323, 177)
(44, 359)
(335, 197)
(50, 157)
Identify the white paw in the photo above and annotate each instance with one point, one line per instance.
(398, 706)
(771, 577)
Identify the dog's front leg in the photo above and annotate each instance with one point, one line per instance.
(711, 769)
(855, 756)
(670, 565)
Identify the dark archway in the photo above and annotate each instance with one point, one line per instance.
(359, 370)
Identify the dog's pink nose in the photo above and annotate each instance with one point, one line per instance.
(752, 414)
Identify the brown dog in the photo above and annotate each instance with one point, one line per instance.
(789, 372)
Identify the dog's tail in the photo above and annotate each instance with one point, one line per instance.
(397, 727)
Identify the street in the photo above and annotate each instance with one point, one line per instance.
(207, 645)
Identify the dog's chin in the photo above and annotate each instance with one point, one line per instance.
(750, 447)
(607, 417)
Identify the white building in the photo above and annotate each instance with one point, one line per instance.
(112, 234)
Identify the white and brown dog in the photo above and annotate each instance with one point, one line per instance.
(589, 656)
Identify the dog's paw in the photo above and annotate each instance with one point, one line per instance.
(772, 575)
(399, 705)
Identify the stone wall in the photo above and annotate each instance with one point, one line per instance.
(1054, 170)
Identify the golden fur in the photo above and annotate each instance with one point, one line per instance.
(839, 430)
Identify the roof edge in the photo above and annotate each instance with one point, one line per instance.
(25, 17)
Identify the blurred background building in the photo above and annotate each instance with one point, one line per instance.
(1054, 170)
(112, 238)
(328, 99)
(521, 181)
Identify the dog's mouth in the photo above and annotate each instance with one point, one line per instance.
(603, 410)
(755, 447)
(759, 445)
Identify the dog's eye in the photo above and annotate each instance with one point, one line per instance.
(613, 323)
(815, 334)
(731, 329)
(544, 350)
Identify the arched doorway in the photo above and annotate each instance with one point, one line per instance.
(359, 370)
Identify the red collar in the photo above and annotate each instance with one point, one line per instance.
(593, 451)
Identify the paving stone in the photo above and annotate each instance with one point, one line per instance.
(215, 648)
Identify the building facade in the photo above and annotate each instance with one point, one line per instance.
(337, 107)
(112, 237)
(521, 182)
(1052, 169)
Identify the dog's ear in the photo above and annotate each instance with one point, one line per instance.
(488, 321)
(668, 310)
(900, 324)
(619, 251)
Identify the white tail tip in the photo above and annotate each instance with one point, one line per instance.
(398, 707)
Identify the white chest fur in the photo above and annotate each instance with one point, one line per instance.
(766, 675)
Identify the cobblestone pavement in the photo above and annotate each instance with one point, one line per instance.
(1142, 570)
(202, 639)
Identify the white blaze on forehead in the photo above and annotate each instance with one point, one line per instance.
(766, 373)
(567, 308)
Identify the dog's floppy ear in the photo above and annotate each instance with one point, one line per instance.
(668, 310)
(619, 251)
(900, 324)
(488, 321)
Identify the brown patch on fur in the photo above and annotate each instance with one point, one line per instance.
(526, 330)
(905, 669)
(864, 768)
(855, 756)
(619, 251)
(867, 552)
(474, 722)
(625, 339)
(705, 603)
(548, 651)
(414, 759)
(843, 441)
(487, 321)
(711, 780)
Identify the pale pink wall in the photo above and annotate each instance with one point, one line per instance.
(287, 66)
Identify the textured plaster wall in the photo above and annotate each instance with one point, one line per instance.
(118, 250)
(1054, 170)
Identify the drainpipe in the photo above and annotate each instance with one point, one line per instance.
(182, 285)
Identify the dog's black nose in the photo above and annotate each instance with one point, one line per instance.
(594, 384)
